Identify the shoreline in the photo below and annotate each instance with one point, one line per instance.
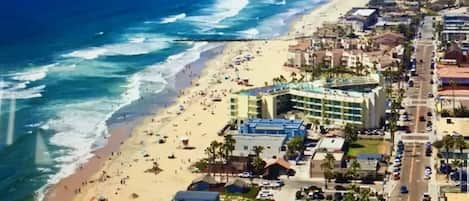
(130, 160)
(121, 130)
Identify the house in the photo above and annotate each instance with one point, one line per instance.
(318, 159)
(362, 18)
(297, 55)
(388, 40)
(276, 167)
(237, 186)
(389, 22)
(455, 53)
(288, 127)
(368, 168)
(196, 196)
(383, 3)
(273, 145)
(202, 183)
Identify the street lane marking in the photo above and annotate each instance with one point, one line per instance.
(411, 167)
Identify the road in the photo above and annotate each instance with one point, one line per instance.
(417, 103)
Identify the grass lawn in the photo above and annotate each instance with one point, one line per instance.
(249, 196)
(367, 147)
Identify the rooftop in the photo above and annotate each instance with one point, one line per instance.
(331, 144)
(285, 164)
(302, 45)
(274, 124)
(370, 156)
(350, 87)
(319, 156)
(196, 196)
(367, 165)
(272, 144)
(365, 12)
(451, 71)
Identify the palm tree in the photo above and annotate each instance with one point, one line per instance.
(353, 168)
(293, 75)
(258, 163)
(229, 146)
(364, 195)
(212, 152)
(349, 196)
(392, 126)
(227, 149)
(453, 85)
(257, 150)
(327, 166)
(351, 133)
(460, 144)
(447, 143)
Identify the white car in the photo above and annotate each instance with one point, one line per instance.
(265, 195)
(245, 175)
(429, 129)
(266, 184)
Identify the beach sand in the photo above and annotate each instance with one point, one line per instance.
(194, 115)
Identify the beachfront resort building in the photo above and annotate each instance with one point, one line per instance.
(355, 100)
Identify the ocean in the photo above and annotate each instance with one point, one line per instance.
(70, 70)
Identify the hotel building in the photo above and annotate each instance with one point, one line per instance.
(355, 100)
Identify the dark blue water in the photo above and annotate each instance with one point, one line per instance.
(67, 67)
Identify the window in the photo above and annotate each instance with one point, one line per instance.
(245, 147)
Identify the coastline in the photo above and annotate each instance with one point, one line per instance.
(129, 160)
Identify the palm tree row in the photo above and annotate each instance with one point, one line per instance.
(451, 142)
(220, 150)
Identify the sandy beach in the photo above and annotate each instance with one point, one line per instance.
(119, 173)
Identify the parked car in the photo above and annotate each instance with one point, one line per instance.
(245, 175)
(278, 183)
(318, 196)
(265, 184)
(429, 114)
(404, 189)
(396, 176)
(426, 197)
(340, 188)
(430, 95)
(312, 188)
(338, 196)
(422, 118)
(264, 195)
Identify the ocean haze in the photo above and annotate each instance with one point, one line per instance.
(75, 68)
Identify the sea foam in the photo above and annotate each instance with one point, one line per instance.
(221, 10)
(173, 18)
(134, 45)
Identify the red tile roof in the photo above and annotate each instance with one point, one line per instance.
(285, 164)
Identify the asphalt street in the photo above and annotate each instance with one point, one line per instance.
(418, 102)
